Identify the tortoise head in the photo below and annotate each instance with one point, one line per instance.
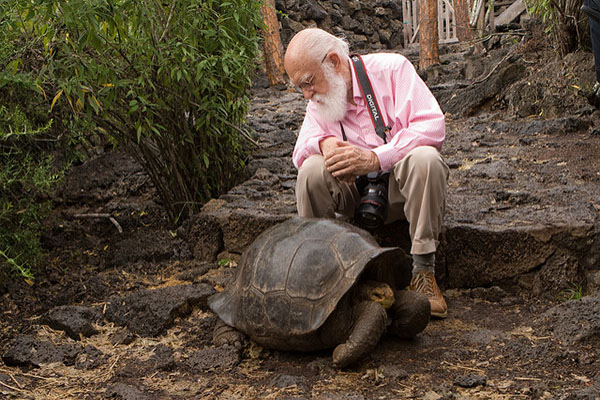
(379, 292)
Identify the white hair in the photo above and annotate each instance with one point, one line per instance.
(320, 43)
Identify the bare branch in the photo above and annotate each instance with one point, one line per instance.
(168, 21)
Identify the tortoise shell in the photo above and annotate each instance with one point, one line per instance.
(291, 278)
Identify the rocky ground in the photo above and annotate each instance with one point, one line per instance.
(123, 314)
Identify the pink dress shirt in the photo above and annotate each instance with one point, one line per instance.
(405, 102)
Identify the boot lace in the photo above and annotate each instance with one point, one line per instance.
(423, 282)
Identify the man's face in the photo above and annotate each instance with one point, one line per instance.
(320, 82)
(332, 104)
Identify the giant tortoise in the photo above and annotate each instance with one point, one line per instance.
(310, 284)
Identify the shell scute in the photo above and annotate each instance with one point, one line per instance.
(314, 271)
(277, 306)
(300, 313)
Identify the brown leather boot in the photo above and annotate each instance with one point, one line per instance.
(424, 282)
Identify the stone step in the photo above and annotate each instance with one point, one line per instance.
(492, 236)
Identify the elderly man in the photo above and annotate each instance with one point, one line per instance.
(338, 142)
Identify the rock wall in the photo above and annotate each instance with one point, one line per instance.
(367, 25)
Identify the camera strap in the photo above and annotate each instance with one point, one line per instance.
(367, 92)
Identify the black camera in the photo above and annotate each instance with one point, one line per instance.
(372, 208)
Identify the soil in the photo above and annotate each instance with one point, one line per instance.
(124, 315)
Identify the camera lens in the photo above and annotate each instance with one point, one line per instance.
(368, 220)
(372, 209)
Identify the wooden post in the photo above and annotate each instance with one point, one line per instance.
(273, 49)
(461, 12)
(481, 21)
(428, 35)
(492, 16)
(408, 23)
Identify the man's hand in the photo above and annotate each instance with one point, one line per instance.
(346, 161)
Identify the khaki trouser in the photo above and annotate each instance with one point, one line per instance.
(417, 193)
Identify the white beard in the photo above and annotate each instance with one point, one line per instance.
(332, 106)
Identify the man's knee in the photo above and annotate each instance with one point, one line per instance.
(427, 160)
(426, 155)
(312, 169)
(313, 195)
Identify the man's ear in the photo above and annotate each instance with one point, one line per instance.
(335, 60)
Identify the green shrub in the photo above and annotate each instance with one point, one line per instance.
(26, 175)
(28, 135)
(168, 79)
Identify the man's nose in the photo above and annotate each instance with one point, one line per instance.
(308, 93)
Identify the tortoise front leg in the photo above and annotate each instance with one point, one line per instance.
(369, 324)
(224, 334)
(409, 313)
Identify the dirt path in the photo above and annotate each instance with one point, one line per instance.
(493, 345)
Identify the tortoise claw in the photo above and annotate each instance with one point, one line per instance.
(225, 335)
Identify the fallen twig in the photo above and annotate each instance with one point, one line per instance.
(488, 37)
(11, 387)
(107, 375)
(6, 371)
(15, 381)
(101, 215)
(510, 53)
(527, 379)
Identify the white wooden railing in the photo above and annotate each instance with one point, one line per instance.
(446, 22)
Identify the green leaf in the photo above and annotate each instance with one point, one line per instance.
(138, 130)
(13, 66)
